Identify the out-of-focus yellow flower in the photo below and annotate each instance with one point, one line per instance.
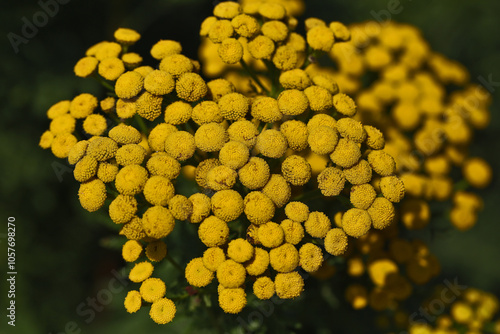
(156, 251)
(477, 172)
(126, 36)
(162, 311)
(86, 66)
(165, 48)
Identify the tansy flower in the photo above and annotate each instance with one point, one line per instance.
(94, 124)
(296, 170)
(297, 211)
(270, 235)
(213, 231)
(191, 87)
(201, 171)
(356, 222)
(382, 163)
(278, 190)
(141, 271)
(111, 68)
(221, 178)
(218, 88)
(258, 208)
(346, 153)
(232, 300)
(322, 139)
(180, 207)
(180, 145)
(331, 181)
(263, 288)
(233, 106)
(213, 257)
(310, 257)
(230, 51)
(177, 113)
(176, 65)
(275, 30)
(144, 70)
(351, 129)
(362, 196)
(321, 120)
(317, 224)
(85, 169)
(159, 82)
(131, 60)
(392, 188)
(133, 301)
(131, 250)
(148, 106)
(340, 31)
(261, 47)
(259, 263)
(463, 218)
(227, 205)
(289, 285)
(152, 289)
(271, 143)
(125, 134)
(359, 173)
(477, 172)
(357, 296)
(292, 102)
(295, 133)
(266, 109)
(86, 66)
(320, 38)
(231, 274)
(92, 195)
(83, 105)
(131, 179)
(295, 79)
(296, 41)
(126, 108)
(210, 137)
(284, 258)
(293, 231)
(156, 251)
(220, 30)
(159, 134)
(102, 148)
(58, 109)
(272, 11)
(381, 213)
(327, 82)
(336, 241)
(461, 312)
(201, 207)
(254, 174)
(245, 25)
(130, 154)
(126, 36)
(206, 112)
(63, 124)
(165, 48)
(285, 58)
(240, 250)
(162, 311)
(312, 22)
(77, 152)
(344, 104)
(158, 190)
(133, 229)
(158, 222)
(320, 99)
(243, 131)
(107, 50)
(122, 209)
(129, 85)
(234, 154)
(164, 165)
(196, 273)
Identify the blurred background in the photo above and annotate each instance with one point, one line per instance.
(63, 254)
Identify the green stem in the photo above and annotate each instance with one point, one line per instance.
(174, 263)
(104, 83)
(142, 125)
(461, 185)
(254, 77)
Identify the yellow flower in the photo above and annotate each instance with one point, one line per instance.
(297, 211)
(83, 105)
(130, 154)
(213, 257)
(243, 131)
(463, 218)
(275, 30)
(102, 148)
(58, 109)
(266, 109)
(322, 139)
(346, 154)
(320, 99)
(296, 170)
(196, 273)
(261, 47)
(320, 38)
(477, 172)
(159, 134)
(258, 208)
(133, 229)
(63, 124)
(210, 137)
(152, 289)
(254, 174)
(85, 169)
(201, 207)
(141, 272)
(177, 113)
(231, 274)
(133, 301)
(180, 145)
(165, 48)
(233, 106)
(284, 258)
(296, 41)
(86, 66)
(218, 88)
(144, 70)
(336, 241)
(359, 173)
(125, 134)
(176, 65)
(340, 31)
(295, 133)
(77, 151)
(381, 213)
(122, 209)
(129, 85)
(159, 82)
(92, 195)
(351, 129)
(263, 288)
(131, 250)
(293, 231)
(220, 30)
(321, 120)
(344, 104)
(292, 102)
(162, 311)
(202, 170)
(163, 165)
(158, 190)
(392, 188)
(240, 250)
(206, 25)
(126, 36)
(382, 163)
(206, 112)
(111, 68)
(126, 108)
(94, 124)
(327, 82)
(227, 205)
(313, 22)
(149, 106)
(230, 51)
(357, 296)
(131, 179)
(259, 263)
(362, 196)
(156, 251)
(289, 285)
(234, 154)
(221, 178)
(331, 181)
(180, 207)
(356, 222)
(158, 222)
(271, 143)
(285, 58)
(232, 300)
(245, 25)
(213, 231)
(295, 79)
(270, 235)
(317, 224)
(310, 257)
(191, 87)
(131, 60)
(278, 190)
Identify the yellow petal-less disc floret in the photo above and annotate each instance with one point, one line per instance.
(289, 285)
(83, 105)
(46, 140)
(102, 148)
(381, 212)
(133, 229)
(65, 124)
(296, 170)
(220, 30)
(270, 235)
(295, 133)
(86, 66)
(92, 195)
(77, 152)
(293, 231)
(351, 129)
(245, 25)
(197, 274)
(108, 104)
(321, 120)
(331, 181)
(234, 154)
(240, 250)
(206, 112)
(158, 222)
(131, 179)
(106, 172)
(356, 222)
(141, 271)
(278, 190)
(284, 258)
(272, 10)
(148, 106)
(259, 262)
(263, 288)
(477, 172)
(126, 36)
(94, 124)
(213, 257)
(158, 190)
(176, 65)
(382, 163)
(320, 38)
(122, 209)
(285, 58)
(266, 109)
(346, 153)
(344, 104)
(221, 178)
(362, 196)
(243, 131)
(126, 108)
(259, 208)
(322, 139)
(317, 224)
(210, 137)
(310, 257)
(201, 207)
(213, 231)
(271, 143)
(159, 134)
(162, 311)
(164, 165)
(374, 137)
(230, 51)
(292, 102)
(277, 31)
(297, 211)
(336, 241)
(130, 154)
(261, 47)
(58, 109)
(131, 60)
(218, 88)
(392, 188)
(233, 106)
(254, 174)
(159, 82)
(165, 48)
(125, 134)
(133, 301)
(178, 112)
(231, 274)
(152, 289)
(295, 79)
(111, 68)
(156, 251)
(360, 173)
(85, 169)
(320, 99)
(180, 145)
(232, 300)
(129, 85)
(191, 87)
(180, 207)
(201, 171)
